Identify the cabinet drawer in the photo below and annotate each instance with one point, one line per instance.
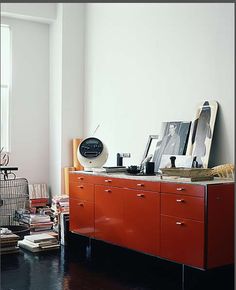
(128, 183)
(108, 191)
(81, 178)
(143, 185)
(110, 181)
(102, 180)
(182, 240)
(182, 206)
(83, 191)
(182, 188)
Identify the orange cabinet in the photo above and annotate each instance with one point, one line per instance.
(142, 221)
(190, 223)
(109, 214)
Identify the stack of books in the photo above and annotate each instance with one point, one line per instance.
(40, 222)
(39, 202)
(50, 232)
(8, 243)
(60, 203)
(39, 243)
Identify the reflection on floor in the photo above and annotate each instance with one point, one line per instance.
(106, 267)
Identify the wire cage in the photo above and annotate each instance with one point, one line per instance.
(14, 198)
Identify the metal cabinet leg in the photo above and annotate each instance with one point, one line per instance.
(89, 249)
(182, 278)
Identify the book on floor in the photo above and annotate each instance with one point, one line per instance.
(40, 238)
(33, 247)
(42, 244)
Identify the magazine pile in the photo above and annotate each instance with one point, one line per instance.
(8, 241)
(39, 243)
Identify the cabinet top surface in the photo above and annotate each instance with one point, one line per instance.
(154, 178)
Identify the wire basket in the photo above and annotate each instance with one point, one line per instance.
(14, 197)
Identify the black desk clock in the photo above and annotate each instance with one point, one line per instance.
(92, 153)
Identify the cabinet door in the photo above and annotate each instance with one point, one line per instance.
(109, 208)
(142, 221)
(221, 215)
(82, 217)
(182, 240)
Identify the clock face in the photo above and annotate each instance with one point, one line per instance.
(91, 147)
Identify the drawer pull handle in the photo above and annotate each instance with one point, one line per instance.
(140, 184)
(140, 195)
(179, 200)
(80, 186)
(107, 190)
(80, 178)
(80, 204)
(180, 188)
(179, 223)
(108, 180)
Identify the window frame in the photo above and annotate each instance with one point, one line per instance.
(7, 85)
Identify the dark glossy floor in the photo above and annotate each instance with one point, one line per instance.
(107, 268)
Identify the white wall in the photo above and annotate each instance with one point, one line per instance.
(65, 105)
(43, 12)
(55, 104)
(145, 63)
(29, 118)
(66, 89)
(149, 63)
(72, 77)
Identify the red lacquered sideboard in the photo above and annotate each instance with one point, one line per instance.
(191, 223)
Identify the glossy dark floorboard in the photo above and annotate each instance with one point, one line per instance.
(107, 268)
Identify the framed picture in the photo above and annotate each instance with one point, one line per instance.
(173, 141)
(201, 133)
(150, 147)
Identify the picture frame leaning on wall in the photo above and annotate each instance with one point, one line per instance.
(201, 132)
(150, 147)
(173, 141)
